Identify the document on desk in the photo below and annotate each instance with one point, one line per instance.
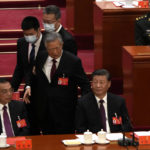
(142, 133)
(114, 136)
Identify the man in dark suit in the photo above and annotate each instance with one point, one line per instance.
(28, 49)
(59, 73)
(142, 30)
(51, 22)
(101, 110)
(13, 115)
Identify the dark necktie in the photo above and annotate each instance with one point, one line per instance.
(7, 123)
(102, 114)
(32, 53)
(53, 69)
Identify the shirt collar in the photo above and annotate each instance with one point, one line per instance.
(59, 28)
(58, 59)
(38, 41)
(104, 98)
(1, 106)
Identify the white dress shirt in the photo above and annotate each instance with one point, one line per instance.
(106, 111)
(59, 28)
(2, 120)
(48, 65)
(37, 45)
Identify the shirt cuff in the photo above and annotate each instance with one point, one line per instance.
(28, 87)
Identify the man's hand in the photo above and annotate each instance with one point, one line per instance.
(33, 70)
(26, 96)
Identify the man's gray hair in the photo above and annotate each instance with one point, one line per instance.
(52, 9)
(52, 36)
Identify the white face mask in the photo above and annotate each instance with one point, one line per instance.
(31, 38)
(49, 27)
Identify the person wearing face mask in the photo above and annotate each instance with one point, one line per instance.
(28, 47)
(51, 22)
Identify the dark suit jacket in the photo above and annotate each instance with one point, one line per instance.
(88, 116)
(17, 108)
(142, 30)
(58, 100)
(23, 69)
(69, 42)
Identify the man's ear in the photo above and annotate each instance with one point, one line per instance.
(59, 20)
(109, 84)
(91, 84)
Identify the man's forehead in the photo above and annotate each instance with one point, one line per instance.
(49, 16)
(5, 85)
(100, 77)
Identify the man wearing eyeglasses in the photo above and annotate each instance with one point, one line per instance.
(51, 22)
(13, 116)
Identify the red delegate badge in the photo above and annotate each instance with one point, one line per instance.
(117, 121)
(21, 123)
(63, 81)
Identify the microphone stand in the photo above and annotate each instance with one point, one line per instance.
(128, 141)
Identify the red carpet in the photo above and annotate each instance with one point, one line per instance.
(7, 63)
(8, 45)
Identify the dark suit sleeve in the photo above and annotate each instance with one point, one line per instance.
(81, 78)
(70, 46)
(126, 120)
(80, 118)
(18, 73)
(139, 38)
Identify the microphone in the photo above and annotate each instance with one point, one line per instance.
(134, 143)
(128, 141)
(124, 141)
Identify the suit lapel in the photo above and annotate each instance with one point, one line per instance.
(1, 126)
(41, 47)
(94, 106)
(41, 66)
(13, 116)
(25, 51)
(109, 108)
(60, 66)
(95, 112)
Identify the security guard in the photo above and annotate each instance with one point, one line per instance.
(142, 30)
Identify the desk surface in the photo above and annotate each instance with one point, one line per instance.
(53, 142)
(110, 7)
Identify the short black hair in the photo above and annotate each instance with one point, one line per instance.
(4, 80)
(52, 9)
(30, 22)
(102, 72)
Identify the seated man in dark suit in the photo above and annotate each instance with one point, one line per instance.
(13, 115)
(100, 109)
(58, 73)
(51, 22)
(142, 30)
